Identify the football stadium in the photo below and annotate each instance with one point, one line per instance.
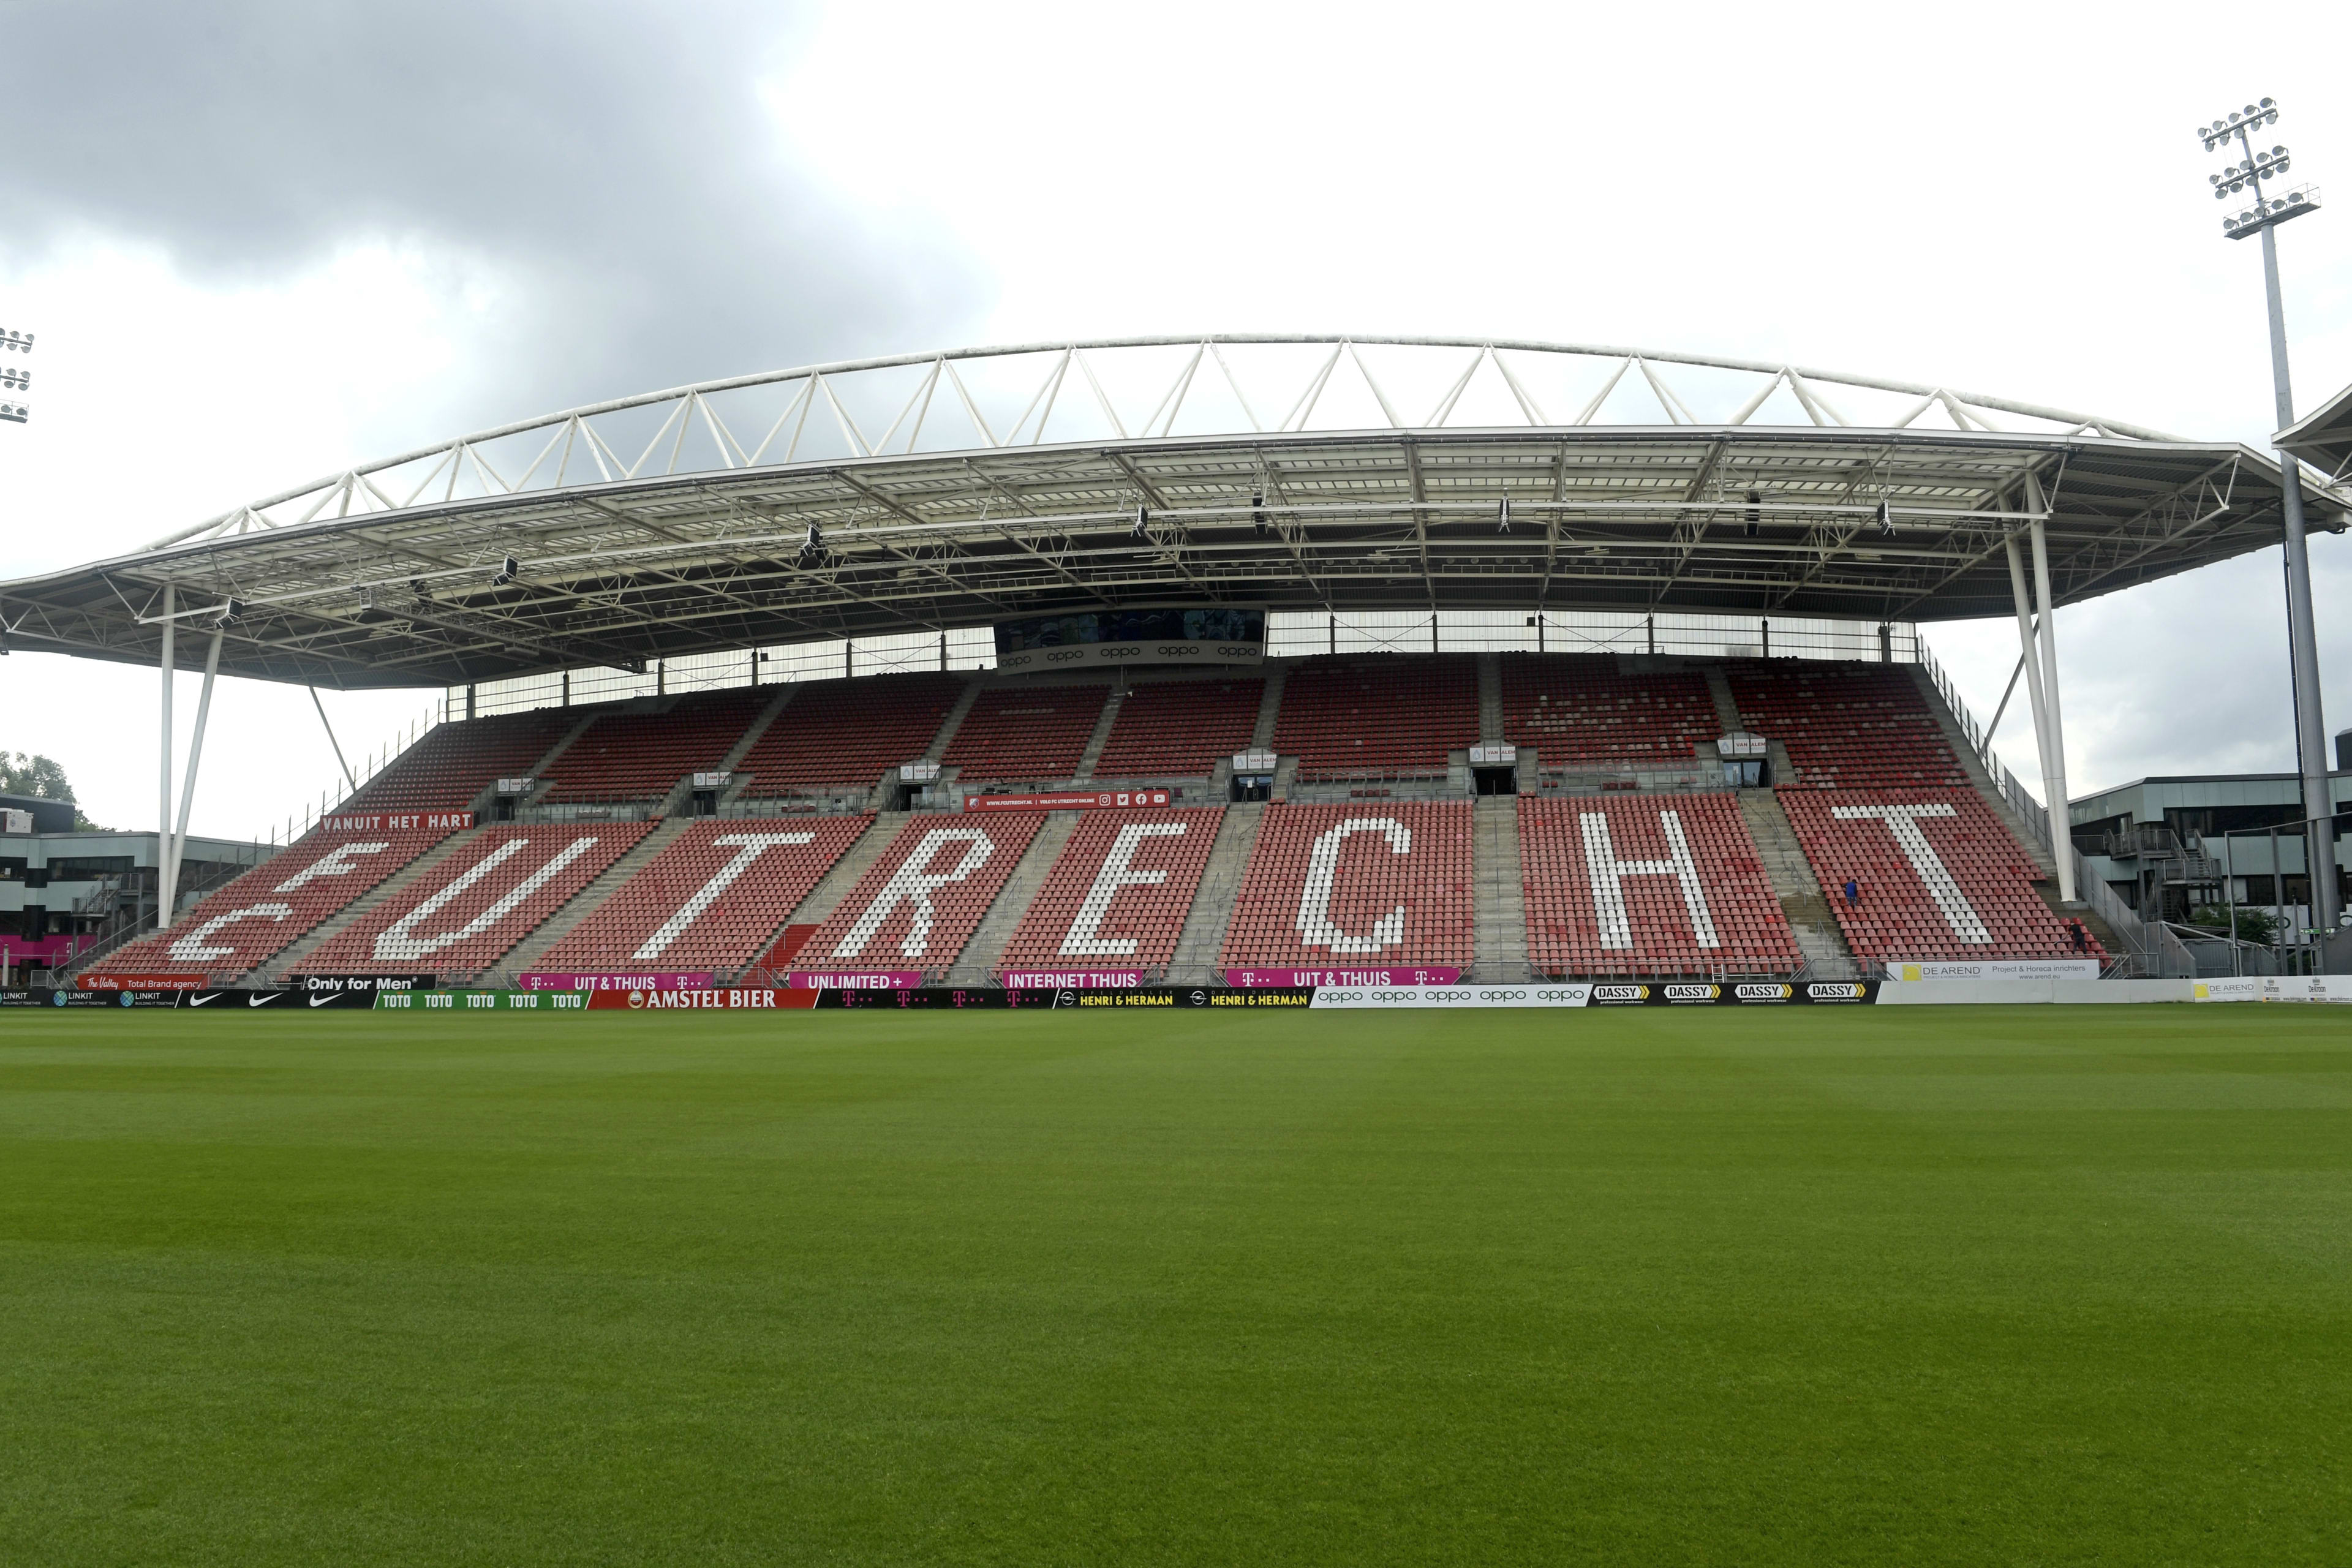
(1781, 1202)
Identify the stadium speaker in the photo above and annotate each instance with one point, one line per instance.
(1503, 516)
(1140, 531)
(1755, 514)
(1257, 514)
(1885, 521)
(509, 570)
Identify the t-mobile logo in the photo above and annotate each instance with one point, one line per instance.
(1609, 874)
(912, 885)
(1314, 926)
(748, 848)
(1082, 941)
(1903, 821)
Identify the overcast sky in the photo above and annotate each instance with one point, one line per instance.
(261, 242)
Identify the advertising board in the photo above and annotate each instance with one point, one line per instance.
(858, 980)
(642, 980)
(362, 985)
(1576, 994)
(1404, 975)
(1995, 969)
(1071, 800)
(395, 820)
(1071, 979)
(144, 982)
(1198, 634)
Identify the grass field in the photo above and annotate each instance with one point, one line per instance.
(1975, 1285)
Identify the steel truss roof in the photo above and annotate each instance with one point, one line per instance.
(340, 584)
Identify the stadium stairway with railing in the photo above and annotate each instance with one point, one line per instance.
(977, 964)
(1026, 733)
(1180, 729)
(1194, 961)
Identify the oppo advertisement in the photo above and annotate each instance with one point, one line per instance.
(1158, 635)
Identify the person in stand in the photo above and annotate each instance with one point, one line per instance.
(2075, 934)
(1852, 894)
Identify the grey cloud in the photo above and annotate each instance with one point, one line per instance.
(613, 159)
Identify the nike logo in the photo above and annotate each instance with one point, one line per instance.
(204, 1001)
(260, 1001)
(315, 1001)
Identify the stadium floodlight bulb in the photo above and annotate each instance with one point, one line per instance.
(20, 380)
(13, 340)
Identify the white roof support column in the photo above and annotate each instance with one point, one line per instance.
(2029, 655)
(2062, 839)
(163, 866)
(195, 757)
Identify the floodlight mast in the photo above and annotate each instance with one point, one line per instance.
(14, 380)
(2303, 652)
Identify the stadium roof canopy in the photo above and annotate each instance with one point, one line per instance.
(958, 489)
(2323, 437)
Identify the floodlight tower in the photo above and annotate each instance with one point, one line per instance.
(2252, 168)
(14, 380)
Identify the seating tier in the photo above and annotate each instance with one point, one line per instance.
(1580, 706)
(1846, 726)
(712, 899)
(1663, 884)
(477, 905)
(1026, 733)
(1118, 896)
(454, 762)
(631, 756)
(1181, 728)
(1935, 874)
(232, 931)
(1391, 885)
(920, 902)
(1385, 713)
(846, 731)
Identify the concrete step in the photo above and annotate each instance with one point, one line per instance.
(1101, 736)
(954, 721)
(525, 955)
(826, 896)
(976, 965)
(1808, 913)
(1727, 711)
(1269, 709)
(390, 888)
(1195, 962)
(1502, 929)
(1490, 699)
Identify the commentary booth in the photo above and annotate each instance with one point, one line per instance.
(1158, 671)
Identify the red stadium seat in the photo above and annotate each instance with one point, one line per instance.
(1846, 726)
(635, 756)
(713, 899)
(1180, 727)
(846, 731)
(495, 891)
(1936, 874)
(1390, 713)
(1648, 885)
(1118, 896)
(233, 931)
(921, 901)
(1356, 888)
(1026, 733)
(456, 762)
(1571, 705)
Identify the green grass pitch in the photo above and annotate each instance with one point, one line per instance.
(1972, 1285)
